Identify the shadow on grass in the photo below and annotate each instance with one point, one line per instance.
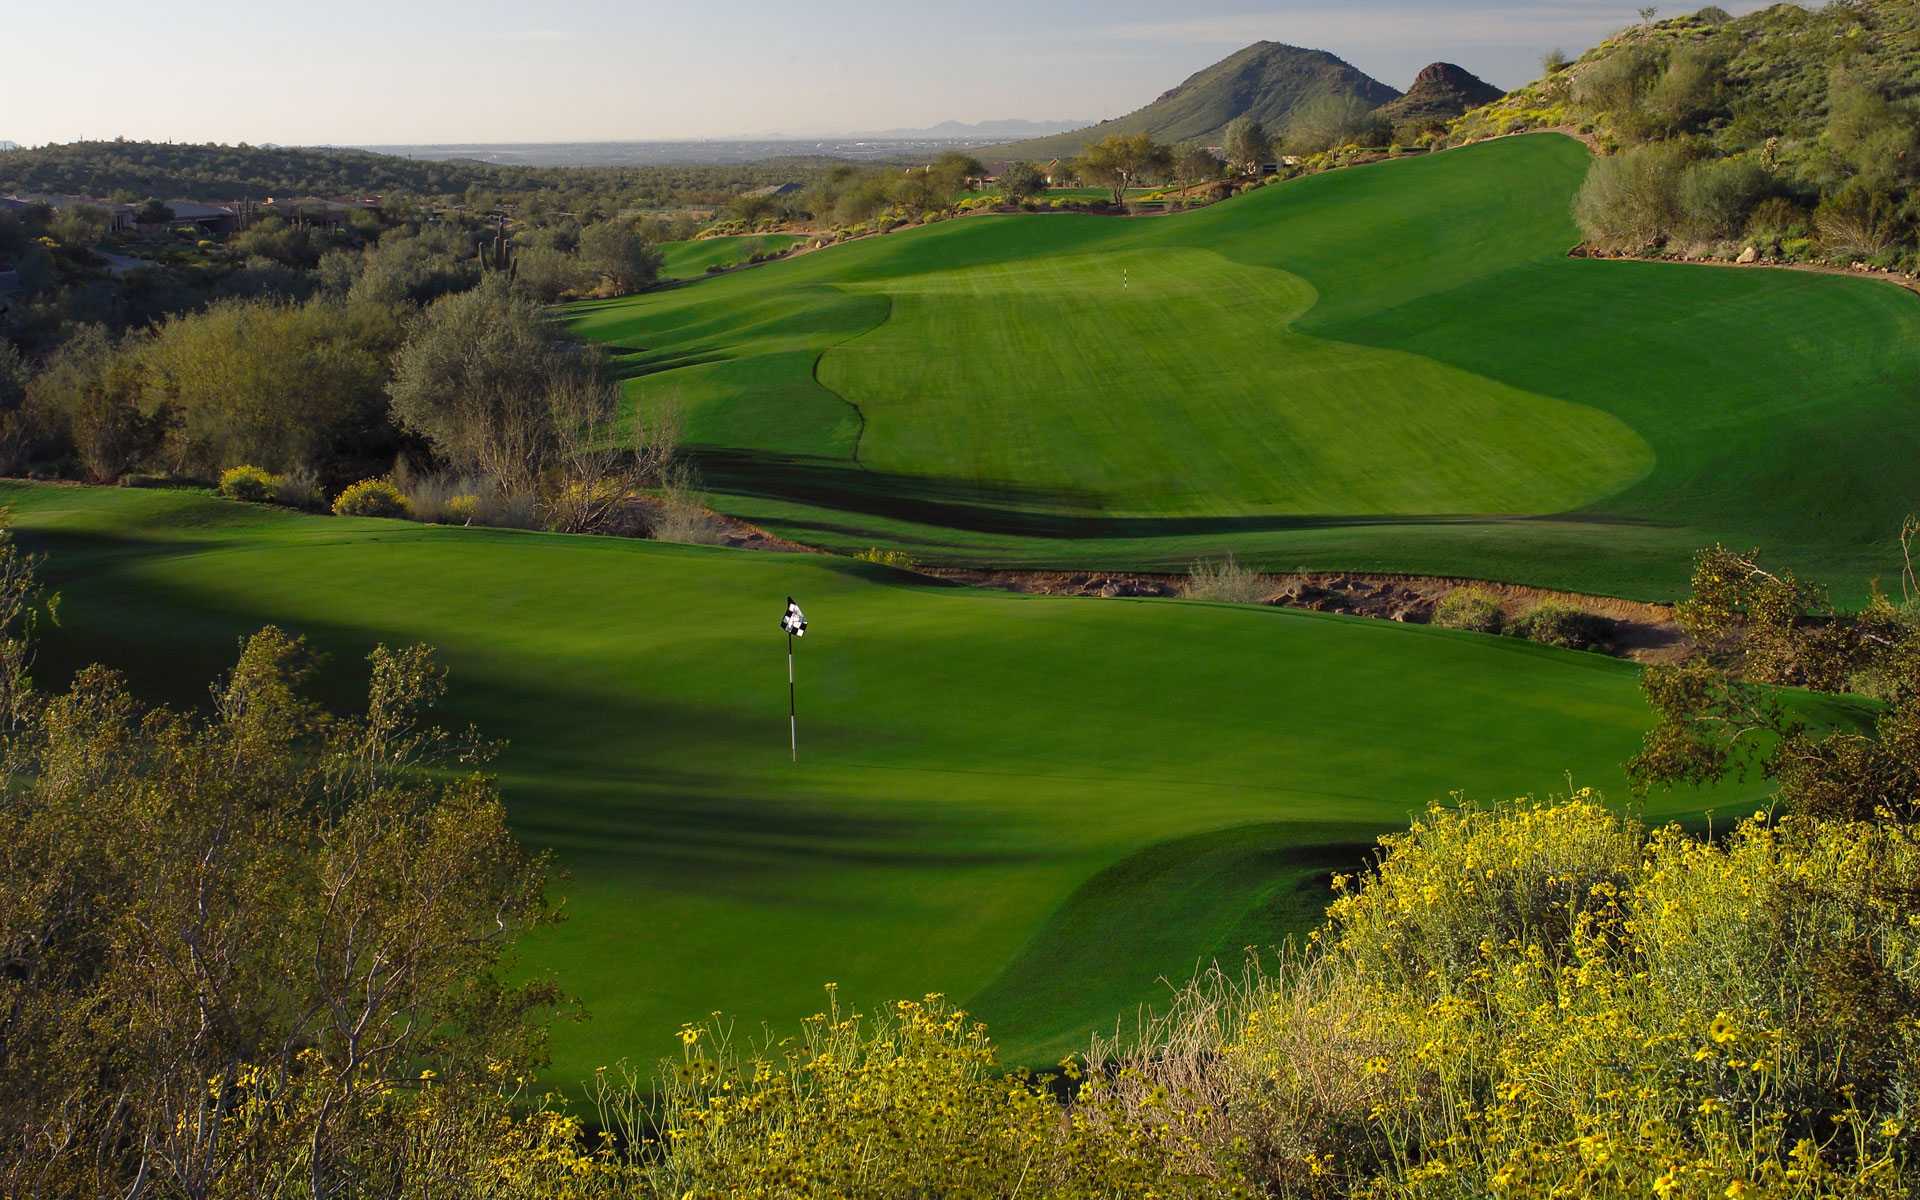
(1008, 508)
(1151, 920)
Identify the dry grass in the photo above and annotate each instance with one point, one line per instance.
(1225, 581)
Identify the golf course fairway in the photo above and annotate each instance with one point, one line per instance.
(1392, 367)
(1038, 806)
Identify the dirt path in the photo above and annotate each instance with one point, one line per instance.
(1642, 632)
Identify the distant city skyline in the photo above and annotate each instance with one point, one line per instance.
(361, 72)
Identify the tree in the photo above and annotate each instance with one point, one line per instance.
(1554, 61)
(618, 253)
(152, 212)
(485, 376)
(1119, 161)
(1335, 120)
(955, 172)
(1195, 164)
(1248, 145)
(1022, 181)
(278, 386)
(1761, 631)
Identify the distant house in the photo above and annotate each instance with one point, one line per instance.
(775, 189)
(208, 217)
(330, 211)
(119, 216)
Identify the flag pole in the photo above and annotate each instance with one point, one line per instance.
(793, 721)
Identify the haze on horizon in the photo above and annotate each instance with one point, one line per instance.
(359, 72)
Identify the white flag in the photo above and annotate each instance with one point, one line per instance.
(795, 622)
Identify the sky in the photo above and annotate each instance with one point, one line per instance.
(357, 72)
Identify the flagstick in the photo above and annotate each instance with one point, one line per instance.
(793, 721)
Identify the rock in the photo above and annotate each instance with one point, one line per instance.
(1750, 255)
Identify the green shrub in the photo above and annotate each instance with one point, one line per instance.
(248, 483)
(1716, 197)
(1470, 609)
(888, 558)
(1554, 624)
(371, 498)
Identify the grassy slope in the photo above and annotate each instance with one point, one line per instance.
(690, 260)
(1039, 804)
(1642, 409)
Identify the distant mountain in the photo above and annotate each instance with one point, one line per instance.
(1439, 93)
(959, 131)
(1267, 81)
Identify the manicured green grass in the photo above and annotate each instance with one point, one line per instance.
(1391, 367)
(1040, 806)
(690, 260)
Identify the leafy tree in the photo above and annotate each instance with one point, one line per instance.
(487, 378)
(1248, 145)
(152, 212)
(1335, 120)
(1195, 164)
(1723, 711)
(618, 253)
(1022, 181)
(277, 386)
(1120, 161)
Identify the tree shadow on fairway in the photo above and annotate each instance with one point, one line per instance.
(1155, 917)
(1014, 509)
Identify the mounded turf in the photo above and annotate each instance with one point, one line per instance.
(1392, 367)
(1040, 806)
(690, 260)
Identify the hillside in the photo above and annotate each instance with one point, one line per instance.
(218, 173)
(1394, 367)
(1440, 93)
(989, 786)
(1795, 131)
(1267, 81)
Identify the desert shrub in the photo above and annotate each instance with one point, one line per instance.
(1778, 219)
(1631, 200)
(371, 498)
(1717, 196)
(1858, 221)
(1542, 1000)
(1554, 624)
(443, 499)
(888, 558)
(1226, 581)
(908, 1101)
(249, 483)
(300, 488)
(1617, 83)
(1468, 608)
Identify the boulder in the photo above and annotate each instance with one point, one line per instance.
(1750, 255)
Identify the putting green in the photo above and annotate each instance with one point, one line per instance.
(1041, 806)
(1389, 367)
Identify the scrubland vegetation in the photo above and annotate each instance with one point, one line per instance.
(1790, 130)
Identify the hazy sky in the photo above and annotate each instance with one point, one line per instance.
(394, 71)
